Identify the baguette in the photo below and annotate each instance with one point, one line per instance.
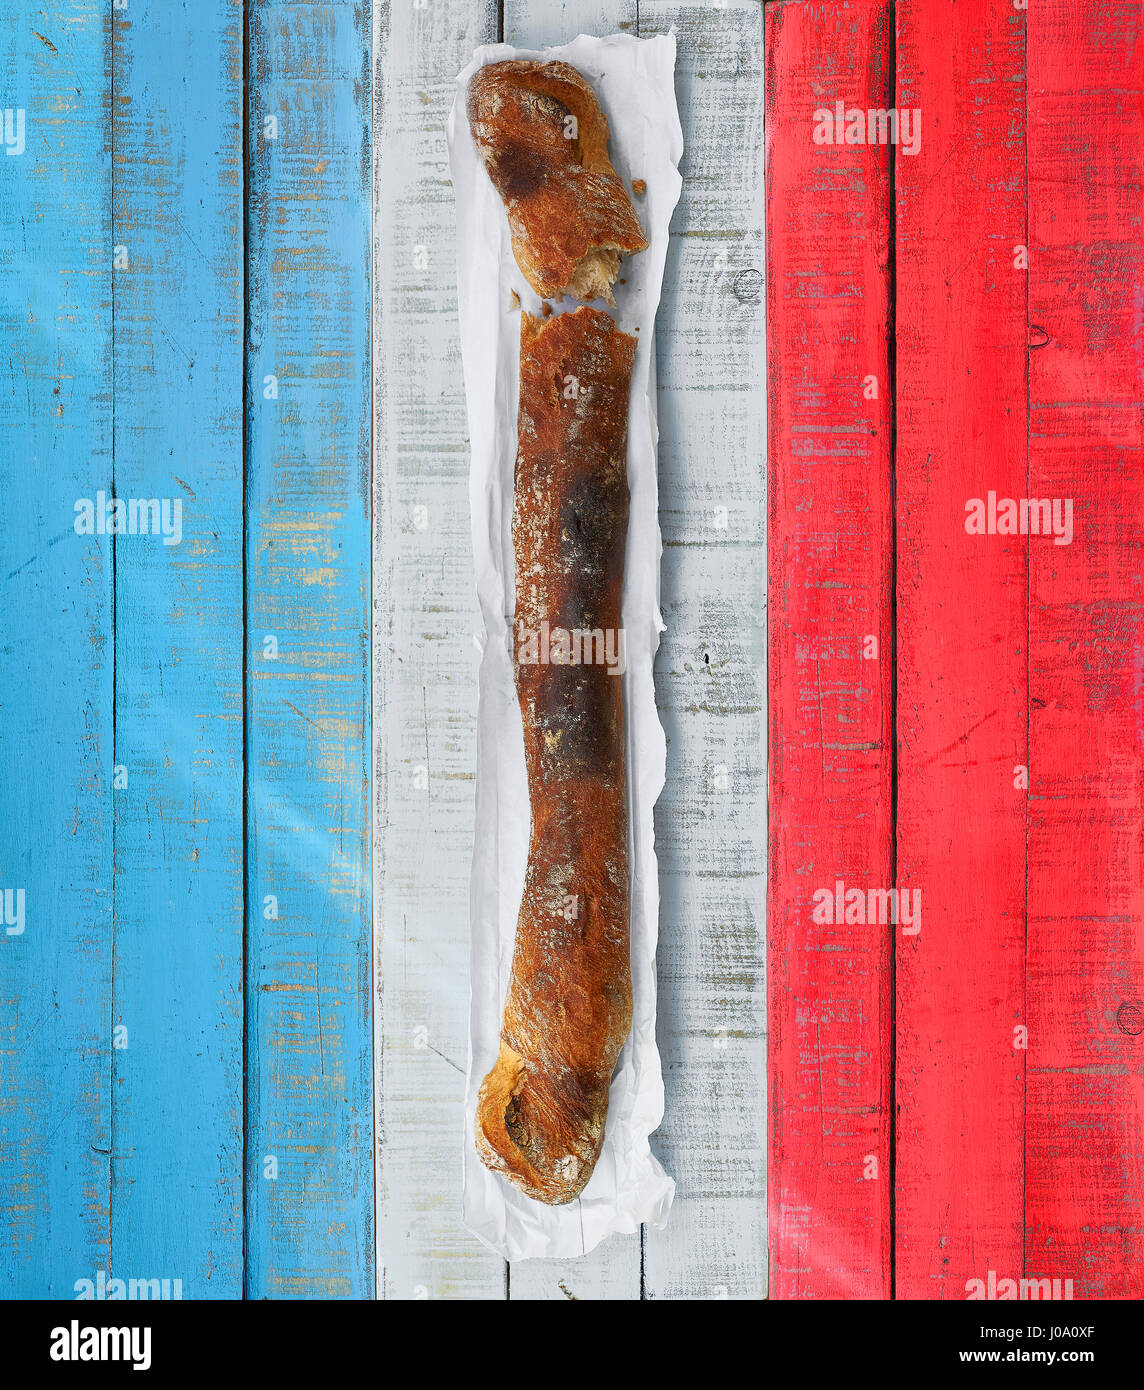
(542, 1109)
(544, 141)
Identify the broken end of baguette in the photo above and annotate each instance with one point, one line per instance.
(595, 273)
(592, 276)
(504, 1142)
(543, 137)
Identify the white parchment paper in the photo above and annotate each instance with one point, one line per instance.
(634, 81)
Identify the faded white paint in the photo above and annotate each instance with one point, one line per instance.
(711, 681)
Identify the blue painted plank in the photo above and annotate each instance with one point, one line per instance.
(55, 652)
(176, 1200)
(309, 1079)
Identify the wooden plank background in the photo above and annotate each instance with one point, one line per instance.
(961, 672)
(1084, 1189)
(210, 266)
(711, 671)
(424, 693)
(159, 1028)
(1018, 1082)
(176, 992)
(710, 675)
(831, 652)
(309, 1133)
(56, 697)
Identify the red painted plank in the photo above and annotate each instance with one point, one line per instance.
(962, 650)
(1085, 1194)
(828, 223)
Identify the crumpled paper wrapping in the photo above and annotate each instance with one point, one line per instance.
(634, 80)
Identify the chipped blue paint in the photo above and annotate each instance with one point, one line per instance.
(55, 655)
(309, 1077)
(177, 1117)
(122, 658)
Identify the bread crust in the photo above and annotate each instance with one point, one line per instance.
(542, 1109)
(571, 218)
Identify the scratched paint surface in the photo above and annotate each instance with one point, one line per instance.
(309, 1192)
(828, 227)
(176, 1066)
(424, 673)
(244, 769)
(56, 706)
(133, 828)
(1084, 1189)
(711, 668)
(710, 822)
(1019, 1083)
(961, 432)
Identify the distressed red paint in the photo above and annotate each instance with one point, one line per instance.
(828, 231)
(962, 650)
(1084, 1198)
(1019, 680)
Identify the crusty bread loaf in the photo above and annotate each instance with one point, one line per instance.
(544, 140)
(541, 1110)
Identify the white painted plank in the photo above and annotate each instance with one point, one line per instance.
(540, 23)
(424, 662)
(710, 824)
(612, 1270)
(711, 674)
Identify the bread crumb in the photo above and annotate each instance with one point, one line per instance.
(639, 187)
(515, 299)
(545, 309)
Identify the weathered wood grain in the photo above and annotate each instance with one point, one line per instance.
(831, 653)
(425, 618)
(962, 650)
(309, 901)
(1084, 1189)
(55, 656)
(611, 1272)
(129, 654)
(711, 670)
(539, 23)
(176, 1063)
(720, 1038)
